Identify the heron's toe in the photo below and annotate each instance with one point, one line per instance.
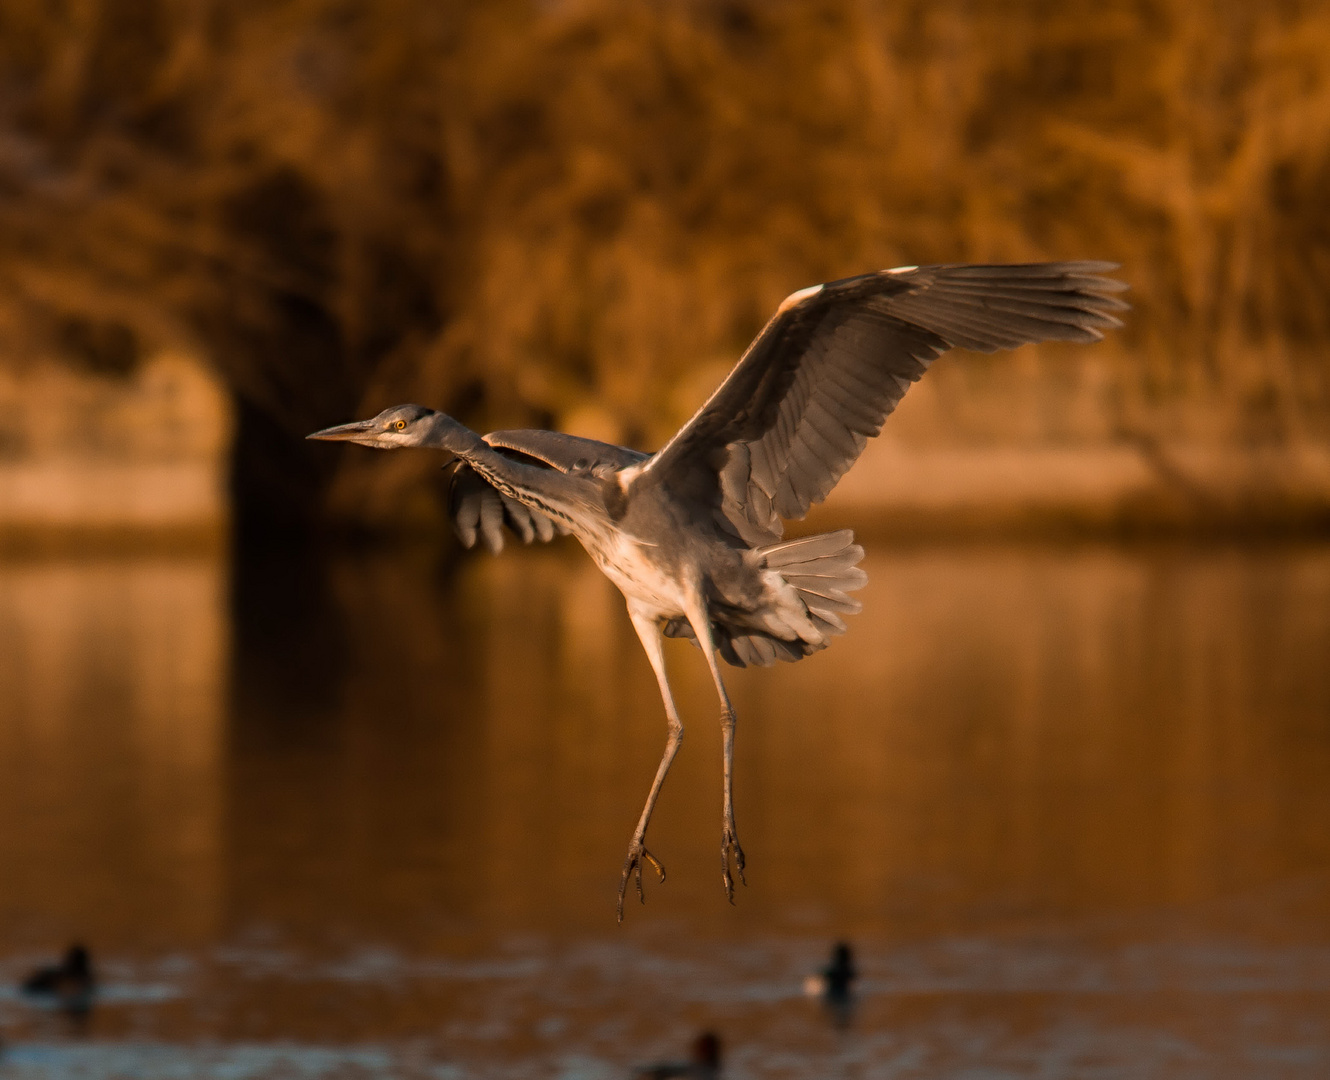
(632, 867)
(731, 852)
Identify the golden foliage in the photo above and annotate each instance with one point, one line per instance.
(564, 211)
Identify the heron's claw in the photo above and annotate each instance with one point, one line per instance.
(632, 865)
(729, 845)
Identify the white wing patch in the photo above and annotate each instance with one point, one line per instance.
(901, 270)
(798, 298)
(628, 475)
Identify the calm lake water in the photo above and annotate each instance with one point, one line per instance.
(365, 818)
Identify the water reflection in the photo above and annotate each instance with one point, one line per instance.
(1069, 804)
(111, 749)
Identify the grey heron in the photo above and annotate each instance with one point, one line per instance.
(693, 535)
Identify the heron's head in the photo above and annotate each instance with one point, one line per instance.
(402, 425)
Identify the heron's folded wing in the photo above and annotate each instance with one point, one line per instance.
(826, 371)
(479, 511)
(567, 453)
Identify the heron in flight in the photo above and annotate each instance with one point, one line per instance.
(693, 534)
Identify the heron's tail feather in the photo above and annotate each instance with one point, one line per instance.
(807, 549)
(739, 648)
(823, 569)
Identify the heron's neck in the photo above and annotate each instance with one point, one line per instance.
(445, 433)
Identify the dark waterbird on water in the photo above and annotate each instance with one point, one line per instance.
(703, 1063)
(68, 984)
(834, 984)
(692, 533)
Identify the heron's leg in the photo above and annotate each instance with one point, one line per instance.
(649, 633)
(700, 620)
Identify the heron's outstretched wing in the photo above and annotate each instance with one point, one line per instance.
(480, 511)
(822, 376)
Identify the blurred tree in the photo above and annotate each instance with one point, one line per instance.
(579, 212)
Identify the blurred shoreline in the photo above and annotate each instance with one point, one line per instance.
(141, 464)
(999, 521)
(126, 463)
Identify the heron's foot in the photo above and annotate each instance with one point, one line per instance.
(632, 867)
(729, 848)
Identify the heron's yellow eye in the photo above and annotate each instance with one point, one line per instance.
(401, 425)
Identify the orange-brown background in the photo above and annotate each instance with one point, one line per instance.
(577, 213)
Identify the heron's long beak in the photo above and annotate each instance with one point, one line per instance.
(361, 431)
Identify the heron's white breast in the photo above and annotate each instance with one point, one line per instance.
(632, 566)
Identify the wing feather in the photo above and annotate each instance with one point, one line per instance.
(567, 453)
(480, 511)
(518, 517)
(491, 523)
(464, 499)
(834, 361)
